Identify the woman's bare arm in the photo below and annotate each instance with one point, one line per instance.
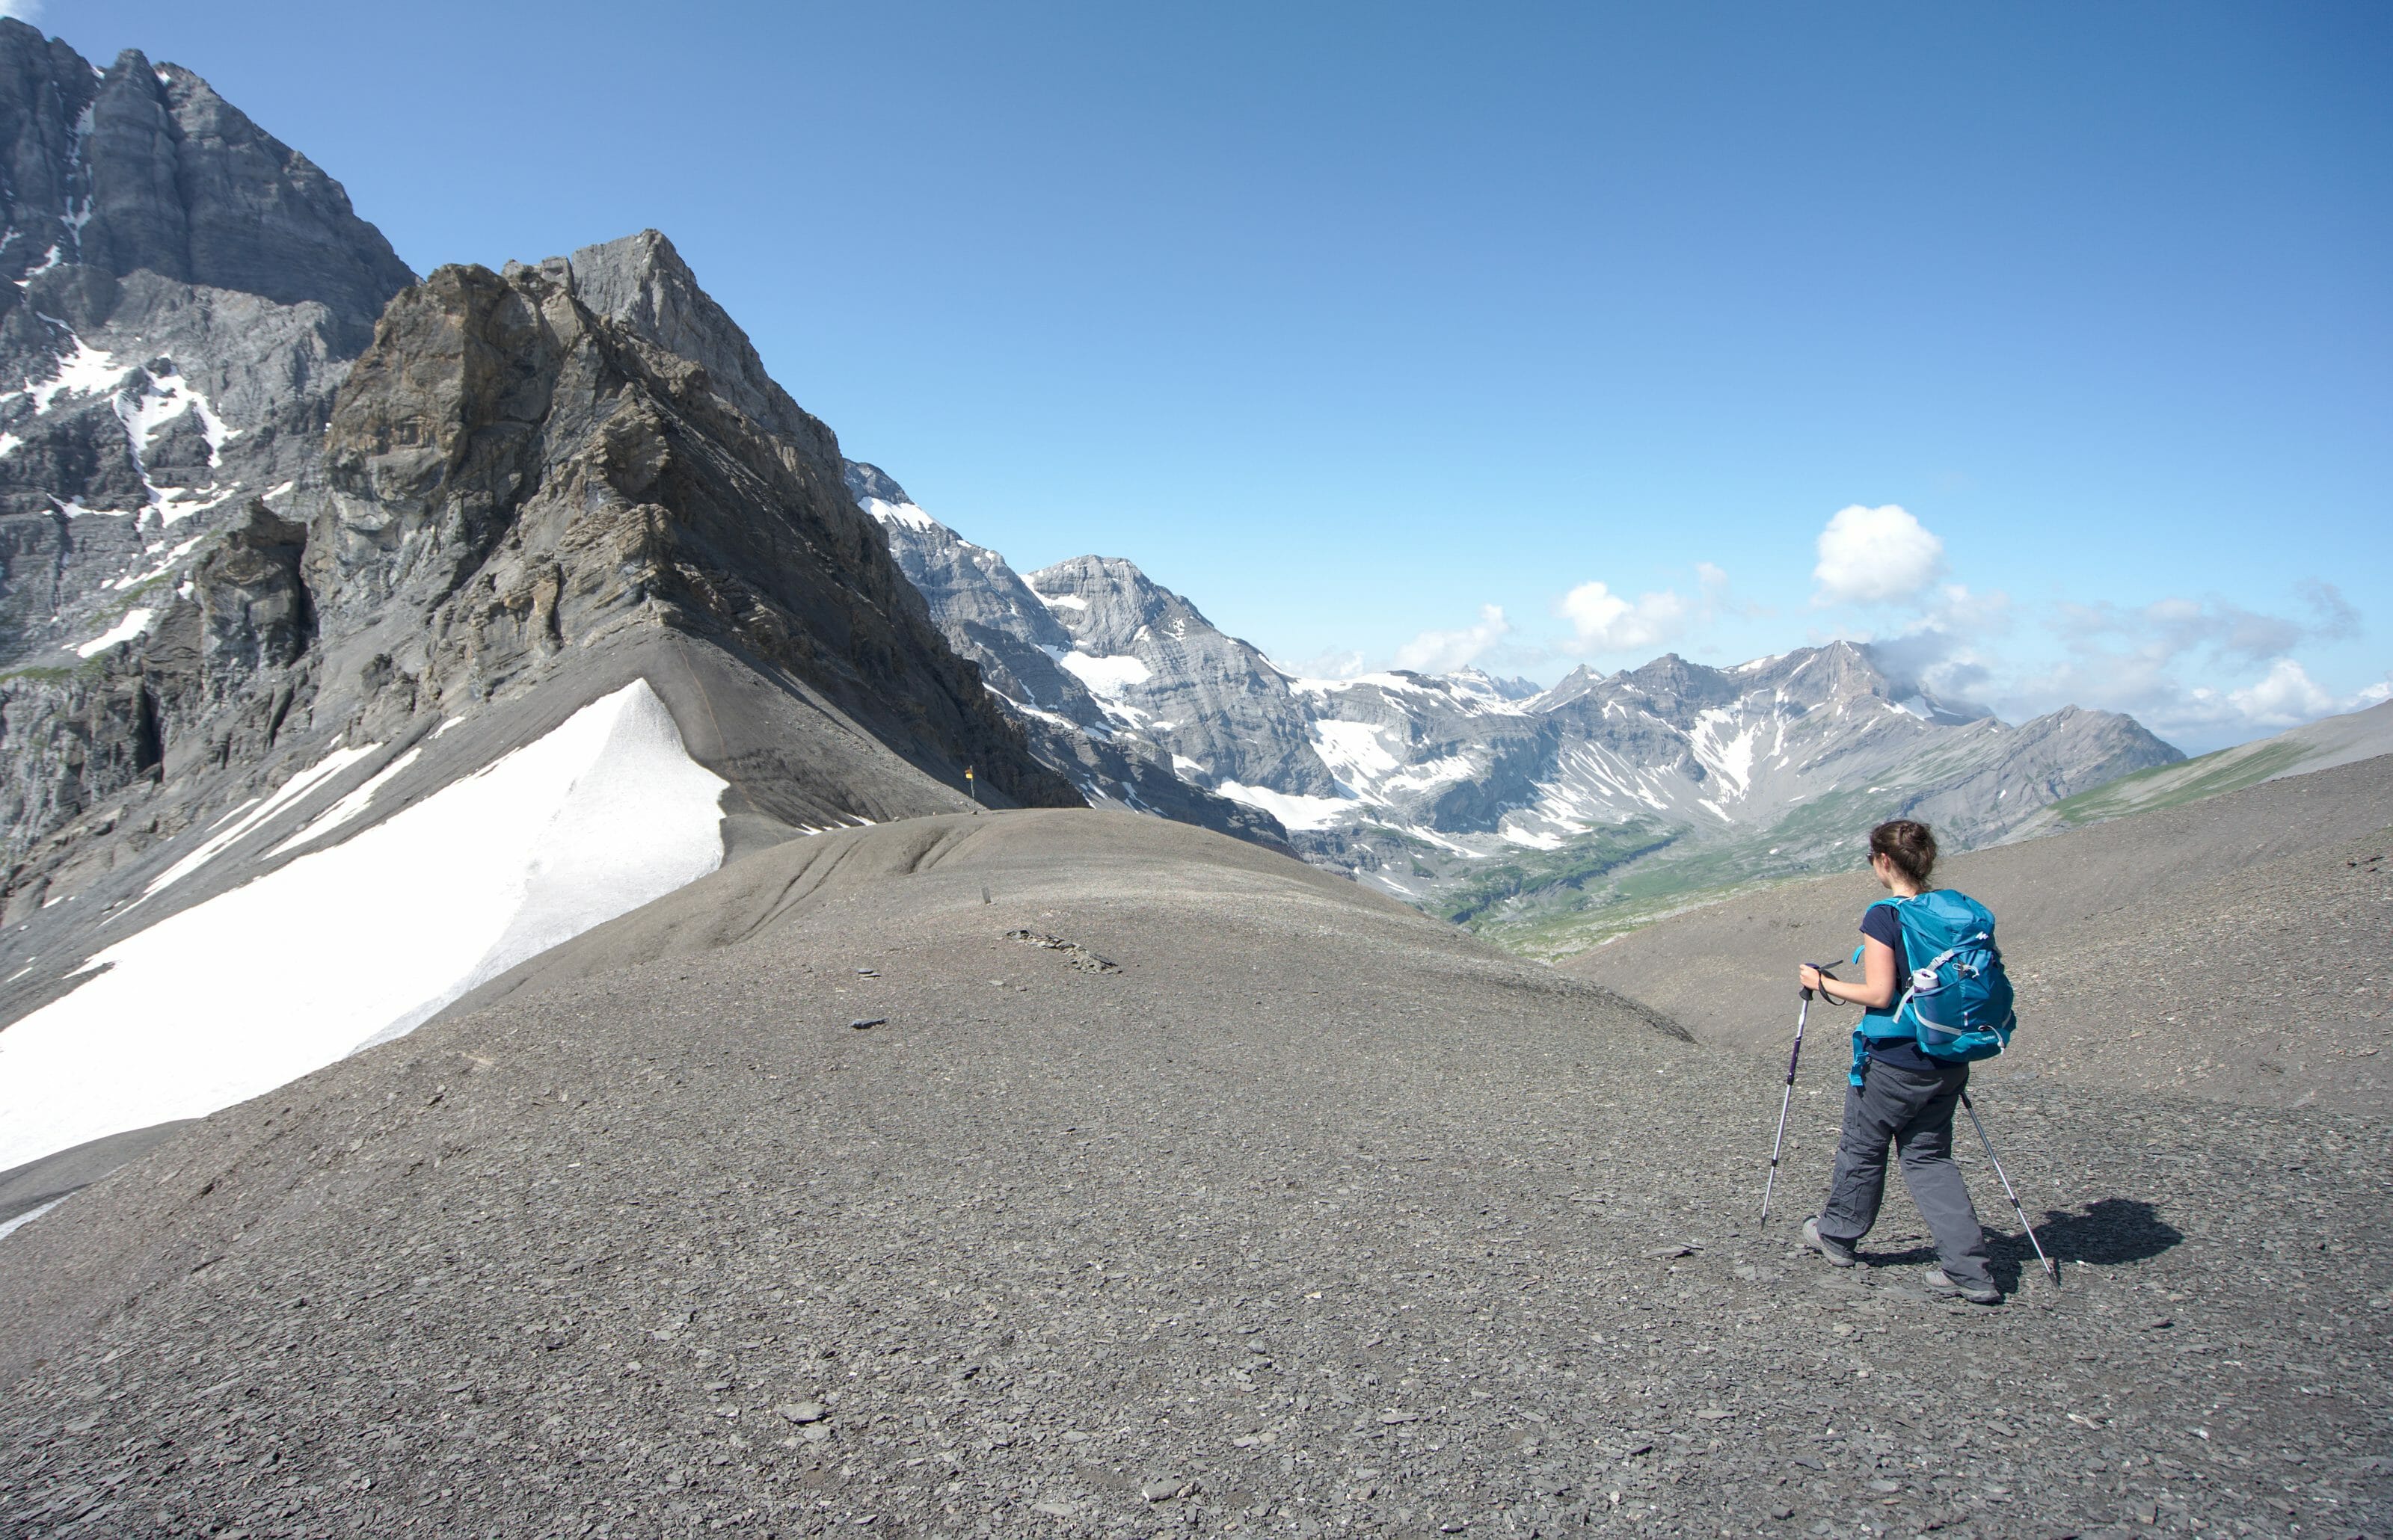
(1875, 992)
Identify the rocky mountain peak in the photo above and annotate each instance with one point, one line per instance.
(516, 495)
(871, 481)
(1107, 604)
(520, 466)
(1479, 680)
(1084, 714)
(145, 168)
(641, 283)
(1675, 690)
(1569, 687)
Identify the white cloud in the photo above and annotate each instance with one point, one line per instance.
(1945, 650)
(1336, 663)
(23, 10)
(2202, 672)
(2287, 698)
(1606, 621)
(1874, 556)
(2173, 665)
(1444, 651)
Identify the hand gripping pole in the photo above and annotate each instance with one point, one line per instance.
(2049, 1271)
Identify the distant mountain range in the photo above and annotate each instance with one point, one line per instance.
(1491, 802)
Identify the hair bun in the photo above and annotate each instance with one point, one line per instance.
(1911, 846)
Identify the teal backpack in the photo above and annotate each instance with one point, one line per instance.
(1957, 1006)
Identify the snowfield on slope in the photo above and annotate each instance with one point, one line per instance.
(370, 937)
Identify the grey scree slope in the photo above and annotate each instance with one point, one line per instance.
(2241, 947)
(1316, 1216)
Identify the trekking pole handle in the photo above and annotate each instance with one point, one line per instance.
(1822, 970)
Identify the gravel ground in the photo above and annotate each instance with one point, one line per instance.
(2239, 948)
(1311, 1216)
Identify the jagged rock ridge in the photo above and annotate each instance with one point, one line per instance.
(1028, 657)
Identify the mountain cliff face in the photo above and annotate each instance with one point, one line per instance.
(139, 168)
(262, 493)
(529, 464)
(360, 636)
(517, 479)
(188, 293)
(990, 616)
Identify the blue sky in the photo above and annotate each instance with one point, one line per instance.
(1384, 333)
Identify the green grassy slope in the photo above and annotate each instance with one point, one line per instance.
(2190, 781)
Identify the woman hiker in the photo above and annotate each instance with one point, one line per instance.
(1898, 1095)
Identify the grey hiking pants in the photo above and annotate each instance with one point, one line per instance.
(1913, 1109)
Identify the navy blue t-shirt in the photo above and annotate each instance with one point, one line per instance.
(1882, 923)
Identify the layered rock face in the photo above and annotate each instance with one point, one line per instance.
(1026, 658)
(188, 294)
(261, 492)
(1209, 699)
(530, 463)
(146, 169)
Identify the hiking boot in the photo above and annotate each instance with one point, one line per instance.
(1836, 1252)
(1936, 1281)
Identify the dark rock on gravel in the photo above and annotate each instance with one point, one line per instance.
(1317, 1216)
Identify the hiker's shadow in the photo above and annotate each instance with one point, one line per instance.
(2105, 1233)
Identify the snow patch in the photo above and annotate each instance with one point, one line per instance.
(50, 260)
(1379, 681)
(1730, 758)
(136, 580)
(904, 514)
(1432, 772)
(373, 936)
(144, 413)
(1352, 750)
(135, 622)
(1062, 723)
(244, 820)
(85, 371)
(349, 807)
(29, 1215)
(175, 503)
(1061, 600)
(1292, 811)
(1107, 676)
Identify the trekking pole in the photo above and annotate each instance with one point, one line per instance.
(1801, 1015)
(2049, 1271)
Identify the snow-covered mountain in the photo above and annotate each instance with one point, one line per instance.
(361, 636)
(1470, 795)
(1065, 701)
